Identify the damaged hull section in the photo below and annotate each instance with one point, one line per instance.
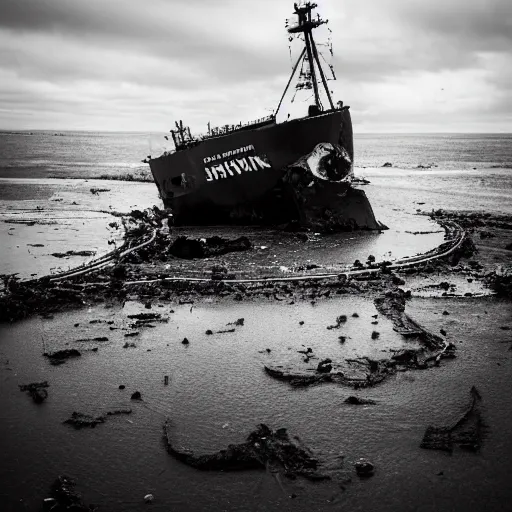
(294, 171)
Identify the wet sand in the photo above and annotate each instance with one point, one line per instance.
(219, 391)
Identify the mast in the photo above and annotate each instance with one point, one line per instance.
(306, 24)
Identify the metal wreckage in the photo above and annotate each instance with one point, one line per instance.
(298, 171)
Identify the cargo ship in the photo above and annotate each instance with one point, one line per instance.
(267, 172)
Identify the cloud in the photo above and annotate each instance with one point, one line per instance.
(131, 65)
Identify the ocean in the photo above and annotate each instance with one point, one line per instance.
(42, 154)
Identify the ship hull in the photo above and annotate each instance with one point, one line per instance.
(238, 177)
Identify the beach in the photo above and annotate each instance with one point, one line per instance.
(218, 390)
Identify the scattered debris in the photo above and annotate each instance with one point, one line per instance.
(189, 248)
(324, 366)
(65, 498)
(37, 390)
(466, 432)
(80, 420)
(61, 356)
(237, 323)
(67, 254)
(339, 320)
(364, 467)
(264, 447)
(354, 400)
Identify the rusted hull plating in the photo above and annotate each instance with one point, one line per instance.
(238, 177)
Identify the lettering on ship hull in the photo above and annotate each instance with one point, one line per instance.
(234, 163)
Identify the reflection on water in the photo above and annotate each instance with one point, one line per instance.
(218, 391)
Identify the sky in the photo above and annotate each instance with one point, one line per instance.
(139, 65)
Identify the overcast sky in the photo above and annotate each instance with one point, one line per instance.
(402, 65)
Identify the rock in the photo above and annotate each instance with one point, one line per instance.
(209, 332)
(364, 467)
(263, 448)
(443, 332)
(149, 498)
(60, 356)
(80, 420)
(122, 386)
(445, 313)
(375, 335)
(37, 390)
(136, 396)
(354, 400)
(355, 315)
(185, 341)
(388, 164)
(324, 366)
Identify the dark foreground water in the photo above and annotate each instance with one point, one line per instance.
(218, 392)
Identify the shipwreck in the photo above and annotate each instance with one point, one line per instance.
(266, 172)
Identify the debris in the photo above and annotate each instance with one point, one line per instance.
(209, 332)
(238, 322)
(339, 320)
(67, 254)
(445, 313)
(136, 396)
(60, 356)
(354, 400)
(131, 334)
(146, 316)
(149, 498)
(263, 447)
(466, 432)
(375, 335)
(37, 390)
(189, 248)
(64, 497)
(166, 380)
(364, 467)
(122, 386)
(129, 345)
(80, 420)
(324, 366)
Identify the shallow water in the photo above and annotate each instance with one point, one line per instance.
(218, 391)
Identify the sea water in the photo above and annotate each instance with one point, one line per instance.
(218, 390)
